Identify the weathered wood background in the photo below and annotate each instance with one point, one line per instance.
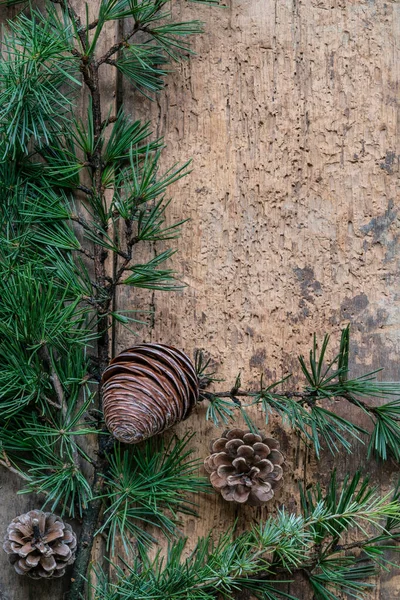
(290, 112)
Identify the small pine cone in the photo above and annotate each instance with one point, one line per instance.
(40, 544)
(147, 389)
(245, 467)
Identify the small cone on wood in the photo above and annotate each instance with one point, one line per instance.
(40, 544)
(245, 467)
(147, 389)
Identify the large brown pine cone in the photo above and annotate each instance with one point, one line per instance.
(147, 389)
(40, 544)
(245, 467)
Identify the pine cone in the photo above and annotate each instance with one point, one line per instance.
(147, 389)
(40, 544)
(245, 467)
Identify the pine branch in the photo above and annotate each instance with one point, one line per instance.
(277, 548)
(304, 410)
(6, 464)
(118, 45)
(149, 486)
(80, 30)
(62, 403)
(90, 72)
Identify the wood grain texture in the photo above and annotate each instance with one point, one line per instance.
(290, 112)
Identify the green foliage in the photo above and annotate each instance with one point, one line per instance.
(148, 487)
(151, 277)
(52, 310)
(309, 411)
(151, 220)
(57, 306)
(143, 66)
(45, 449)
(334, 576)
(37, 311)
(64, 485)
(253, 560)
(385, 439)
(35, 64)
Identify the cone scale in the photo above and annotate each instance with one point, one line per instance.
(40, 544)
(147, 389)
(245, 467)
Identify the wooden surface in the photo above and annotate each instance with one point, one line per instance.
(290, 113)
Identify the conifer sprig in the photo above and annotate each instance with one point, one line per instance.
(36, 62)
(309, 411)
(149, 487)
(58, 298)
(58, 307)
(261, 559)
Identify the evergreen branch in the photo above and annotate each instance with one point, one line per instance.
(256, 560)
(81, 221)
(6, 463)
(143, 65)
(120, 44)
(303, 410)
(46, 287)
(149, 486)
(86, 253)
(36, 71)
(73, 15)
(53, 403)
(45, 355)
(149, 276)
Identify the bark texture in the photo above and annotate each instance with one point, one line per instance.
(291, 114)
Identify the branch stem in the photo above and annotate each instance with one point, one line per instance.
(91, 516)
(8, 465)
(119, 45)
(61, 400)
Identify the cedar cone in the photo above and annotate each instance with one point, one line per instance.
(147, 389)
(40, 544)
(245, 467)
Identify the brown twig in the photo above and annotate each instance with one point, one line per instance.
(90, 73)
(93, 24)
(6, 463)
(54, 378)
(81, 221)
(59, 391)
(361, 543)
(73, 15)
(85, 190)
(85, 252)
(52, 403)
(119, 45)
(108, 121)
(306, 397)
